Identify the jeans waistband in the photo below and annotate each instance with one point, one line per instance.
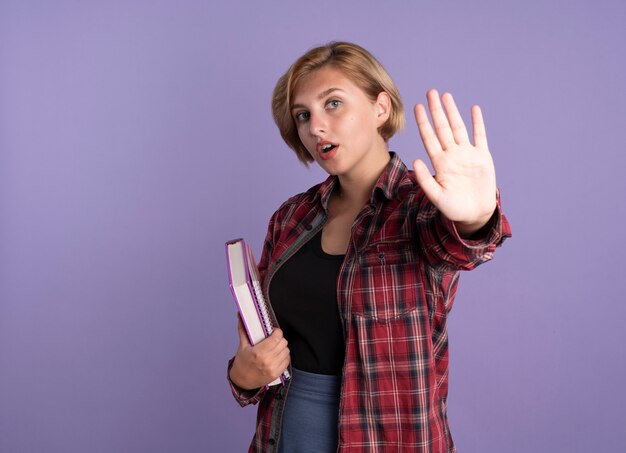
(322, 384)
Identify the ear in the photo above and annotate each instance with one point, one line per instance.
(382, 107)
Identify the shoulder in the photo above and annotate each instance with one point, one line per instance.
(301, 201)
(408, 189)
(297, 200)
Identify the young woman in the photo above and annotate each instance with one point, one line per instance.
(362, 269)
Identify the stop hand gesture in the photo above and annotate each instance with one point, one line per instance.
(464, 185)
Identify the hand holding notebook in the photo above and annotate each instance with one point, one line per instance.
(255, 313)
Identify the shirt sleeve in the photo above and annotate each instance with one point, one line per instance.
(442, 243)
(244, 397)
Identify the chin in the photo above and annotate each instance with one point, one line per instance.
(331, 169)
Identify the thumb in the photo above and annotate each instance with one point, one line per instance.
(427, 182)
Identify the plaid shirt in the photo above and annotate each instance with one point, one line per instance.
(394, 290)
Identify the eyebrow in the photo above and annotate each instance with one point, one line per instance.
(322, 95)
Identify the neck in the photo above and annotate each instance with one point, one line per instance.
(356, 187)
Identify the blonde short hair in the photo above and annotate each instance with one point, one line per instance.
(358, 65)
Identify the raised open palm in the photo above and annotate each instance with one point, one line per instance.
(464, 185)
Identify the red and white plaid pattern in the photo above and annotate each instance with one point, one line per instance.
(395, 289)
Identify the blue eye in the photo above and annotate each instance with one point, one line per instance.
(302, 116)
(334, 103)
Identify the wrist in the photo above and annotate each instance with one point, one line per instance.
(468, 229)
(238, 377)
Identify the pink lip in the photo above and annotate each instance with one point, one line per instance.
(326, 155)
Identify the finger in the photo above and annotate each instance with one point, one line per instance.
(478, 127)
(454, 118)
(283, 358)
(278, 358)
(429, 185)
(275, 342)
(279, 347)
(440, 121)
(284, 364)
(277, 334)
(427, 134)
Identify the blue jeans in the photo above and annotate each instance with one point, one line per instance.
(311, 414)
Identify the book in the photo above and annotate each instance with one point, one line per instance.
(245, 284)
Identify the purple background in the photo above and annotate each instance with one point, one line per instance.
(136, 137)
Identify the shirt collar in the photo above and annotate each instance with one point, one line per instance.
(388, 183)
(391, 178)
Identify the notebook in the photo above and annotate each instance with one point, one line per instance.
(245, 284)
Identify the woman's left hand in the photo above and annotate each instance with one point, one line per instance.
(464, 185)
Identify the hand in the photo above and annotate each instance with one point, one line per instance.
(464, 185)
(258, 365)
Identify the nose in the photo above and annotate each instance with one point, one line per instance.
(317, 124)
